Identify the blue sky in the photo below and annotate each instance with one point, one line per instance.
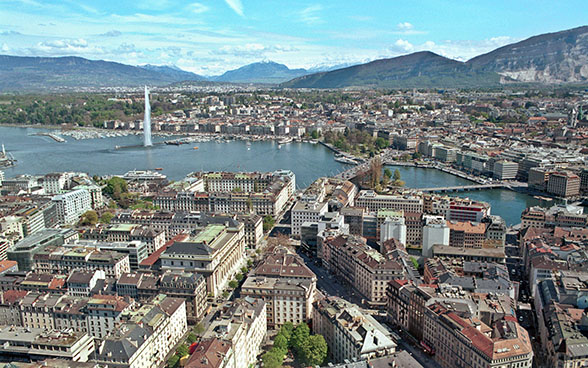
(211, 36)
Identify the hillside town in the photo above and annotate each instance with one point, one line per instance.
(227, 269)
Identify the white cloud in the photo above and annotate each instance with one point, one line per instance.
(253, 50)
(197, 8)
(112, 33)
(236, 5)
(309, 15)
(64, 44)
(5, 47)
(404, 26)
(404, 45)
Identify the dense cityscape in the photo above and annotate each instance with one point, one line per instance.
(238, 269)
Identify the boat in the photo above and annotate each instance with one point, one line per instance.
(279, 146)
(196, 147)
(159, 168)
(543, 198)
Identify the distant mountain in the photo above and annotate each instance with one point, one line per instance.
(261, 72)
(560, 57)
(417, 70)
(47, 73)
(174, 72)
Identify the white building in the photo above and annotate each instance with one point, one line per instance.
(54, 183)
(244, 326)
(147, 336)
(72, 205)
(505, 170)
(393, 228)
(306, 212)
(435, 232)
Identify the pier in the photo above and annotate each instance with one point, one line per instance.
(465, 188)
(55, 137)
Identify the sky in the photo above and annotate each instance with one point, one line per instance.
(209, 37)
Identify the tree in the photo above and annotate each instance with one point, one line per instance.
(115, 187)
(381, 143)
(182, 350)
(272, 359)
(239, 276)
(314, 351)
(106, 217)
(299, 336)
(287, 329)
(89, 218)
(244, 269)
(191, 338)
(387, 173)
(281, 343)
(233, 284)
(268, 223)
(396, 175)
(314, 134)
(173, 361)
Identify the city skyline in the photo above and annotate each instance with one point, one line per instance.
(209, 38)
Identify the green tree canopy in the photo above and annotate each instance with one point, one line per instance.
(396, 175)
(272, 359)
(106, 217)
(89, 218)
(299, 336)
(281, 343)
(313, 351)
(387, 173)
(182, 350)
(268, 223)
(116, 186)
(287, 329)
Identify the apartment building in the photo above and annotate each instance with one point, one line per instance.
(350, 333)
(286, 285)
(153, 238)
(72, 205)
(361, 266)
(33, 344)
(63, 260)
(242, 324)
(375, 202)
(189, 286)
(564, 184)
(146, 335)
(306, 212)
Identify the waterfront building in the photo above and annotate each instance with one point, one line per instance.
(216, 251)
(375, 202)
(72, 205)
(538, 178)
(505, 170)
(350, 333)
(564, 184)
(33, 344)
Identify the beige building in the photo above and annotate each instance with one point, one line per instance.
(64, 260)
(375, 202)
(146, 336)
(358, 264)
(349, 332)
(564, 184)
(243, 325)
(216, 252)
(286, 285)
(18, 343)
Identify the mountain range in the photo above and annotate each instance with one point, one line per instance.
(551, 58)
